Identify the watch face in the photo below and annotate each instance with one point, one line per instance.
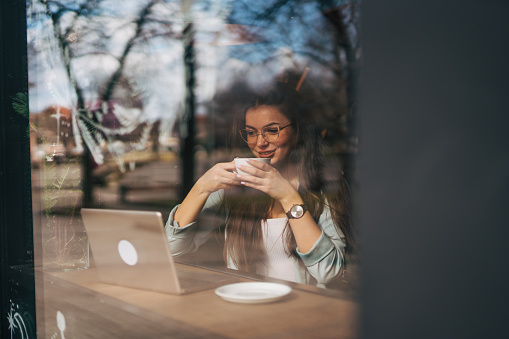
(297, 211)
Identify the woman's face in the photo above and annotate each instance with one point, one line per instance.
(279, 150)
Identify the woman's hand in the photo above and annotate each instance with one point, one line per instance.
(220, 176)
(267, 179)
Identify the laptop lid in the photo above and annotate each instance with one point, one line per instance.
(130, 249)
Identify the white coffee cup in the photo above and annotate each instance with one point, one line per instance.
(243, 162)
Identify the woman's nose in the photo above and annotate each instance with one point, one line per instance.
(260, 141)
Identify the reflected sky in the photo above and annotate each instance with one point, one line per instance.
(131, 53)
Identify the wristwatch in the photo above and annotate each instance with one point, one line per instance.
(297, 211)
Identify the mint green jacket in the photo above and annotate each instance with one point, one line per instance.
(321, 264)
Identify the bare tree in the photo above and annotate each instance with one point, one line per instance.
(85, 30)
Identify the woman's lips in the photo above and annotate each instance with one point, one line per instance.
(266, 154)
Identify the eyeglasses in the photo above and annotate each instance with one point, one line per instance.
(269, 133)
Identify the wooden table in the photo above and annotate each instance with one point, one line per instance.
(81, 306)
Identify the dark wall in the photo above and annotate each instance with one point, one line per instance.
(434, 164)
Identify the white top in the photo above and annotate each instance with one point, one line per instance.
(279, 264)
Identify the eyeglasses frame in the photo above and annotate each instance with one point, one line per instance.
(263, 135)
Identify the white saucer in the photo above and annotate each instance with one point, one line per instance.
(253, 292)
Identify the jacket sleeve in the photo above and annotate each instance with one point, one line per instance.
(325, 260)
(189, 238)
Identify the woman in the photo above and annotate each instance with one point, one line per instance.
(280, 220)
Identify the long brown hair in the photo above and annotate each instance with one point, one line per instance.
(247, 207)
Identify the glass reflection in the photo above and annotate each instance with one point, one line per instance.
(131, 104)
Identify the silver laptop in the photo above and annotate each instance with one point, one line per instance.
(130, 249)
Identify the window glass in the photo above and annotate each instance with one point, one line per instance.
(132, 101)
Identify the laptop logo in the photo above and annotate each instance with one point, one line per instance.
(127, 252)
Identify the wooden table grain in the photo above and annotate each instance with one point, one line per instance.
(85, 307)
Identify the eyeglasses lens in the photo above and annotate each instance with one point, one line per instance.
(269, 134)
